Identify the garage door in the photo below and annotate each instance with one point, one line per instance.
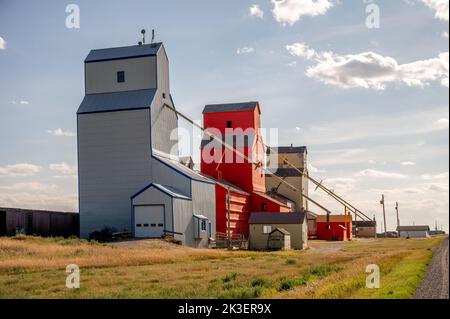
(148, 221)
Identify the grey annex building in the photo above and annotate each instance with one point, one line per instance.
(130, 176)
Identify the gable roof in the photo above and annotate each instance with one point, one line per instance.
(230, 107)
(117, 101)
(127, 52)
(172, 192)
(414, 228)
(276, 218)
(280, 230)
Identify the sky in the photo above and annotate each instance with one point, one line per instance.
(367, 96)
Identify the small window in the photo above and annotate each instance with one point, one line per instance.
(153, 225)
(267, 229)
(229, 124)
(160, 225)
(164, 95)
(120, 76)
(263, 207)
(138, 225)
(145, 225)
(203, 225)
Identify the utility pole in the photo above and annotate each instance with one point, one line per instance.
(228, 220)
(398, 219)
(384, 215)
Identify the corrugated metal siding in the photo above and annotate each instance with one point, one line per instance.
(204, 202)
(164, 120)
(114, 164)
(153, 196)
(166, 176)
(140, 73)
(43, 223)
(184, 221)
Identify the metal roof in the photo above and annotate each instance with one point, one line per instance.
(365, 223)
(170, 191)
(413, 228)
(230, 107)
(184, 170)
(287, 172)
(276, 218)
(289, 149)
(117, 101)
(119, 53)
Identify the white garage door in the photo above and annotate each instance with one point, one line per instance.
(148, 221)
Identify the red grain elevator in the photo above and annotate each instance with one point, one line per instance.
(238, 125)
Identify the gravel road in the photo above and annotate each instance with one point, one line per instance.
(435, 283)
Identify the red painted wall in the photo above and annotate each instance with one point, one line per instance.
(240, 172)
(257, 201)
(335, 232)
(239, 211)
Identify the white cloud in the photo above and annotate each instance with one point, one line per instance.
(313, 169)
(441, 8)
(368, 127)
(40, 200)
(2, 44)
(19, 170)
(33, 186)
(440, 176)
(380, 174)
(245, 50)
(444, 34)
(255, 11)
(408, 163)
(63, 168)
(371, 70)
(291, 11)
(443, 122)
(301, 50)
(61, 132)
(440, 188)
(23, 102)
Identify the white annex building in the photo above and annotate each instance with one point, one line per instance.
(127, 179)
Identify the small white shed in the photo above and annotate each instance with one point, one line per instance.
(413, 231)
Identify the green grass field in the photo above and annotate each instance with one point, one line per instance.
(33, 267)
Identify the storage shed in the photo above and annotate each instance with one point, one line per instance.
(365, 229)
(37, 222)
(263, 224)
(279, 239)
(414, 231)
(334, 227)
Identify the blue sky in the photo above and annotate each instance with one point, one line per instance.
(371, 104)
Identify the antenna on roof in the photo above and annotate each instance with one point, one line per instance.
(143, 35)
(153, 35)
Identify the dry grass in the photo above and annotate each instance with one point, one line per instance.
(25, 253)
(35, 268)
